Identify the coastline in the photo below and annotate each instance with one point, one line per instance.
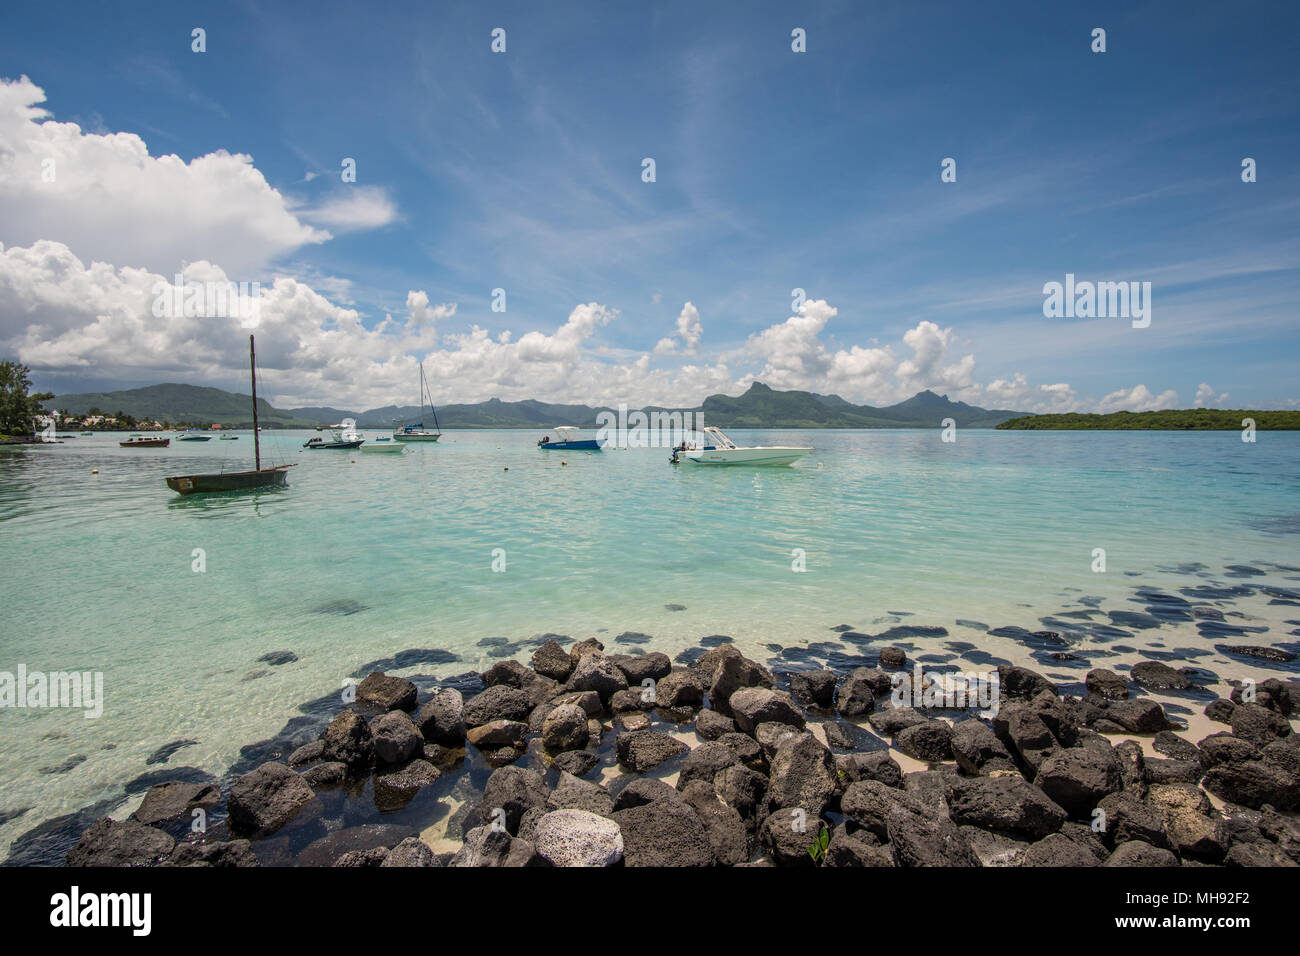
(564, 761)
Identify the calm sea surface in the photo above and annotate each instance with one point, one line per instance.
(364, 556)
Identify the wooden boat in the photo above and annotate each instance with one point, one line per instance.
(566, 441)
(273, 477)
(145, 443)
(417, 431)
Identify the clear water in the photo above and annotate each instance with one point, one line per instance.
(363, 556)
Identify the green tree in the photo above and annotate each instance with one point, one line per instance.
(18, 409)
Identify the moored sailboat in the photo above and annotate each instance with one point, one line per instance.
(417, 431)
(273, 477)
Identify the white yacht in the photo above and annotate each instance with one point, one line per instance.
(717, 449)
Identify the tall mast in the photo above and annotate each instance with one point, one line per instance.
(252, 371)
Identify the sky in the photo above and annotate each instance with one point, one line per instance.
(798, 229)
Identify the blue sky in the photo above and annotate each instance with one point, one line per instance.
(775, 170)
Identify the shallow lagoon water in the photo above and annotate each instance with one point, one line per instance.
(362, 557)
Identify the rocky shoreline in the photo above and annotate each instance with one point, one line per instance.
(594, 759)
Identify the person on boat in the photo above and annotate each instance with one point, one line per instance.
(546, 440)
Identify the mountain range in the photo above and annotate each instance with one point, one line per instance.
(759, 407)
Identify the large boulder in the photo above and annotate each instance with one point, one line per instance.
(1194, 828)
(573, 793)
(728, 836)
(872, 765)
(1057, 850)
(175, 800)
(787, 834)
(1154, 675)
(578, 838)
(1258, 724)
(1137, 853)
(1254, 783)
(1022, 683)
(512, 791)
(1124, 816)
(814, 687)
(802, 775)
(664, 832)
(565, 728)
(645, 749)
(499, 702)
(347, 740)
(925, 839)
(395, 786)
(930, 741)
(1140, 716)
(752, 706)
(489, 846)
(742, 789)
(1106, 684)
(128, 843)
(710, 725)
(411, 852)
(553, 661)
(977, 748)
(1007, 804)
(597, 672)
(496, 734)
(736, 673)
(1077, 778)
(859, 691)
(266, 799)
(639, 668)
(705, 762)
(442, 718)
(680, 689)
(390, 693)
(396, 737)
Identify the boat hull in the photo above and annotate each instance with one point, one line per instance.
(195, 438)
(335, 445)
(384, 447)
(744, 456)
(146, 443)
(592, 444)
(230, 481)
(426, 437)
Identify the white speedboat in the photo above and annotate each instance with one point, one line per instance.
(717, 449)
(384, 445)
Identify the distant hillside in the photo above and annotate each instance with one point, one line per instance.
(765, 407)
(759, 407)
(171, 402)
(1184, 419)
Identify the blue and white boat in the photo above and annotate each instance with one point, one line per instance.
(566, 441)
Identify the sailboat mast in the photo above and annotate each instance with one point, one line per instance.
(252, 371)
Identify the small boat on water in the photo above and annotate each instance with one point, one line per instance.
(341, 440)
(384, 446)
(566, 441)
(718, 449)
(87, 434)
(138, 441)
(230, 438)
(273, 477)
(417, 431)
(191, 435)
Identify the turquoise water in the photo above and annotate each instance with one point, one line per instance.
(364, 556)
